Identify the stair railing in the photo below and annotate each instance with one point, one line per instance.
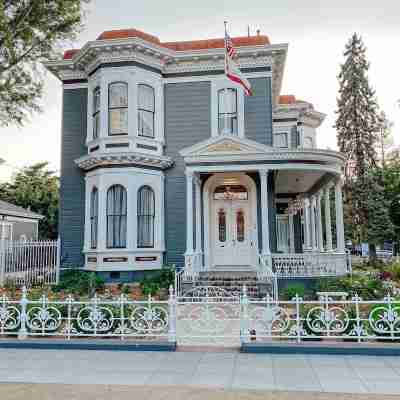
(265, 273)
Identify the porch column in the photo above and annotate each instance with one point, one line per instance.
(307, 228)
(189, 212)
(339, 217)
(291, 234)
(328, 227)
(313, 231)
(198, 214)
(264, 212)
(319, 223)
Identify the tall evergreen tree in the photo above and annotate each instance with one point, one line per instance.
(358, 124)
(357, 114)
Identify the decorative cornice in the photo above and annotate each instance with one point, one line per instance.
(124, 159)
(167, 61)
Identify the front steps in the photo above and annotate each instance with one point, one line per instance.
(232, 281)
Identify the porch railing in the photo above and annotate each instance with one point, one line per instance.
(307, 265)
(265, 273)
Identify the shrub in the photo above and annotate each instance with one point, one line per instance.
(291, 290)
(162, 279)
(80, 282)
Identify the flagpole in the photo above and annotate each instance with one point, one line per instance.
(226, 55)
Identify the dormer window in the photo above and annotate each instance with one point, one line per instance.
(118, 109)
(146, 111)
(227, 112)
(96, 113)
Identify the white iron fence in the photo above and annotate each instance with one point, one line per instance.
(192, 320)
(29, 262)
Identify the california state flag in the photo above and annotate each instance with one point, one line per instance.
(232, 70)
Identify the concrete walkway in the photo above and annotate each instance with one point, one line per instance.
(217, 370)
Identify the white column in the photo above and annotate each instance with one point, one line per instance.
(328, 227)
(319, 223)
(291, 234)
(313, 231)
(339, 217)
(307, 227)
(264, 212)
(198, 214)
(189, 213)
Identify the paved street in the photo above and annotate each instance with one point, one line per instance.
(217, 370)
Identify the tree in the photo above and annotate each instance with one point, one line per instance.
(36, 188)
(360, 129)
(385, 142)
(31, 31)
(357, 113)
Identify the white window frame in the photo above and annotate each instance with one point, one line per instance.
(224, 83)
(3, 230)
(276, 134)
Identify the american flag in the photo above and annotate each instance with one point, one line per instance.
(229, 46)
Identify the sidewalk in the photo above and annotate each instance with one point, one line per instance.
(217, 370)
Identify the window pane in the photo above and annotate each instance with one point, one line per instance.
(118, 95)
(118, 120)
(146, 123)
(96, 125)
(116, 217)
(240, 226)
(96, 100)
(146, 98)
(221, 226)
(146, 214)
(281, 140)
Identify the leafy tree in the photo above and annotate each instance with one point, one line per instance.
(30, 31)
(36, 187)
(357, 113)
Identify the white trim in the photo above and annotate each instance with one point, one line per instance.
(203, 78)
(71, 86)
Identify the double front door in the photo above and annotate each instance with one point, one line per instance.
(232, 234)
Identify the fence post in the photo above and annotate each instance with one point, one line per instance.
(58, 260)
(2, 261)
(298, 319)
(244, 316)
(172, 315)
(23, 332)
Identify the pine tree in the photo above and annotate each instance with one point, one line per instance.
(358, 124)
(357, 114)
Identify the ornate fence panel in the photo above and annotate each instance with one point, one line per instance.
(299, 320)
(119, 318)
(29, 262)
(208, 315)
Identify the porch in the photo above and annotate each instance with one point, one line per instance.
(279, 219)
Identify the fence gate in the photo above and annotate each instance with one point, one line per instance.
(208, 315)
(29, 262)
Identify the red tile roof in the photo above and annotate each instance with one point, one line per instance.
(287, 99)
(178, 46)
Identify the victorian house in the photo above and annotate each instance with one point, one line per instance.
(166, 161)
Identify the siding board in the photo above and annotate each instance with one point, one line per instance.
(72, 184)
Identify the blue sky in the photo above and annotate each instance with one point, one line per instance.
(315, 30)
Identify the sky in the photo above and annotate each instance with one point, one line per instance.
(316, 32)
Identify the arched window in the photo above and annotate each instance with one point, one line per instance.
(146, 111)
(146, 213)
(227, 112)
(116, 217)
(94, 217)
(240, 226)
(118, 108)
(96, 113)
